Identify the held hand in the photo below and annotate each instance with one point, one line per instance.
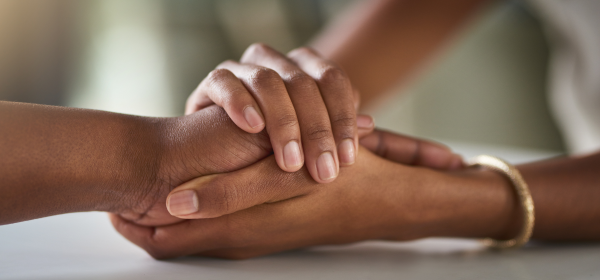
(200, 149)
(271, 190)
(292, 211)
(307, 104)
(204, 143)
(411, 151)
(196, 199)
(199, 144)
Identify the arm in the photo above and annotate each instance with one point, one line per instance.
(567, 196)
(380, 43)
(56, 160)
(373, 199)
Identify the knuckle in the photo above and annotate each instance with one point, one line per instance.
(255, 50)
(331, 74)
(287, 121)
(224, 199)
(258, 47)
(262, 76)
(344, 119)
(218, 75)
(318, 131)
(226, 63)
(301, 51)
(298, 79)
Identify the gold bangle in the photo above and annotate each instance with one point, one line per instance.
(524, 197)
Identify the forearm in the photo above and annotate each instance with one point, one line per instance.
(427, 203)
(57, 160)
(566, 194)
(482, 203)
(380, 43)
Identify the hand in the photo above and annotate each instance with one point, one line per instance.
(58, 160)
(394, 147)
(410, 151)
(206, 142)
(291, 210)
(306, 102)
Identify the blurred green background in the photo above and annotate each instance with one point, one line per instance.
(145, 57)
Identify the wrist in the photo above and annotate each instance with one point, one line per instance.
(474, 203)
(132, 181)
(471, 203)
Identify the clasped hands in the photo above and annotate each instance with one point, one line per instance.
(279, 167)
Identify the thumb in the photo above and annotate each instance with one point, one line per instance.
(411, 151)
(220, 194)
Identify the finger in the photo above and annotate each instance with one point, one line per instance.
(270, 93)
(136, 234)
(338, 95)
(365, 125)
(171, 241)
(221, 194)
(315, 125)
(155, 216)
(224, 89)
(411, 151)
(196, 102)
(203, 236)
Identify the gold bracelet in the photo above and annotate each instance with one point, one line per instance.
(523, 194)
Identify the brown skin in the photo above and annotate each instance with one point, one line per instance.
(58, 160)
(378, 43)
(304, 98)
(373, 199)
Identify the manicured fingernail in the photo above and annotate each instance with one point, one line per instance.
(363, 121)
(326, 166)
(252, 117)
(346, 151)
(291, 154)
(183, 203)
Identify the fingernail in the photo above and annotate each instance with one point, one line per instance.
(252, 117)
(363, 121)
(183, 203)
(326, 166)
(291, 154)
(346, 151)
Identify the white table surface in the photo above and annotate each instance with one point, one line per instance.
(84, 246)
